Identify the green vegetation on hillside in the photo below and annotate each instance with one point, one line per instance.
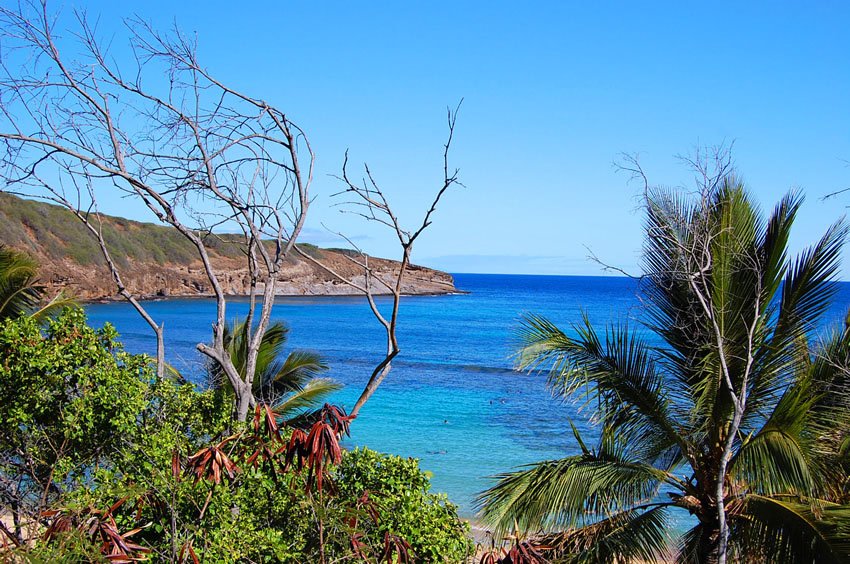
(52, 231)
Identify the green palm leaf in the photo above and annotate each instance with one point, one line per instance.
(778, 458)
(774, 462)
(310, 396)
(696, 545)
(53, 307)
(628, 536)
(728, 307)
(20, 294)
(292, 374)
(829, 373)
(618, 375)
(289, 385)
(806, 292)
(561, 493)
(790, 531)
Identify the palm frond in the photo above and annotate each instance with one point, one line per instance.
(20, 294)
(807, 290)
(18, 297)
(774, 462)
(809, 287)
(829, 414)
(621, 372)
(729, 309)
(774, 243)
(790, 531)
(292, 374)
(777, 459)
(310, 396)
(561, 493)
(272, 346)
(290, 384)
(54, 306)
(628, 536)
(696, 545)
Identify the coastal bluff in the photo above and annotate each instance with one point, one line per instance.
(155, 261)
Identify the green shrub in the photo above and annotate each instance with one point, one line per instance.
(401, 490)
(88, 423)
(72, 547)
(69, 395)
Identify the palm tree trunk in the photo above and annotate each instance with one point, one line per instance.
(720, 492)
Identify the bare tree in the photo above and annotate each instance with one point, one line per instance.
(157, 127)
(368, 200)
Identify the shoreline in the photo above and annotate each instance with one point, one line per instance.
(159, 298)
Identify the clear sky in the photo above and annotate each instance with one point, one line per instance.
(553, 92)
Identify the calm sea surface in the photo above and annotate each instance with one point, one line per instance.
(452, 399)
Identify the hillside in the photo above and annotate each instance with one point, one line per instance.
(157, 261)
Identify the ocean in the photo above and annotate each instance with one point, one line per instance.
(452, 399)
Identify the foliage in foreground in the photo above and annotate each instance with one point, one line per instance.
(399, 491)
(100, 461)
(719, 387)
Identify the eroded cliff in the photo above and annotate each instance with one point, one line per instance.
(157, 261)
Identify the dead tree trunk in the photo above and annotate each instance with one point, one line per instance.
(197, 153)
(369, 201)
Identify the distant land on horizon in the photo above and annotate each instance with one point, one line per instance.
(529, 263)
(156, 261)
(606, 275)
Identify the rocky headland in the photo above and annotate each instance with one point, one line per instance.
(156, 261)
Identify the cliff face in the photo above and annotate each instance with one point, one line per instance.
(157, 261)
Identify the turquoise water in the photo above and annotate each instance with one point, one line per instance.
(452, 400)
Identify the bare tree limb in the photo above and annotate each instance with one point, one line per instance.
(368, 200)
(168, 134)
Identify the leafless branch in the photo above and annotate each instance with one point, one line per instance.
(835, 193)
(161, 129)
(609, 267)
(368, 200)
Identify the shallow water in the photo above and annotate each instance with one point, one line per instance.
(452, 399)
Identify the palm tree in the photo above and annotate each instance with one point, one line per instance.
(289, 385)
(716, 391)
(20, 293)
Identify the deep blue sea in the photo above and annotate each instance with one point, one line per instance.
(452, 399)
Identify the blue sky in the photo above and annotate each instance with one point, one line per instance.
(553, 92)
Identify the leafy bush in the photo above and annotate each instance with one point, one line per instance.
(68, 395)
(107, 450)
(406, 508)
